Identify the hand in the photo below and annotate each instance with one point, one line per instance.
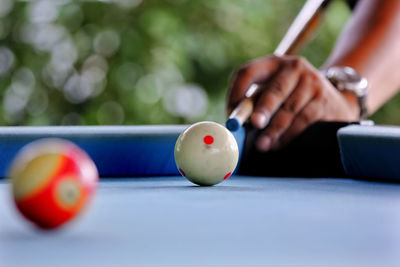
(294, 95)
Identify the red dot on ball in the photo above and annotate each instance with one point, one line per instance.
(227, 175)
(182, 172)
(208, 140)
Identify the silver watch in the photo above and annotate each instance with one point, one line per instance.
(347, 79)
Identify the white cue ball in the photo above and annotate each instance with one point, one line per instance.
(206, 153)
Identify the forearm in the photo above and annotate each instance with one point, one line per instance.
(370, 43)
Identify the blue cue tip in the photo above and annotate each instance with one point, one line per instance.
(232, 124)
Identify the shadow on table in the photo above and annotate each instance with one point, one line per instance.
(314, 153)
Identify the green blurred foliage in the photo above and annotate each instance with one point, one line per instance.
(128, 61)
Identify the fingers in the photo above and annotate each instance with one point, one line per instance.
(311, 113)
(291, 98)
(282, 120)
(281, 85)
(255, 72)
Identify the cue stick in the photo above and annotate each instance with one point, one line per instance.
(298, 33)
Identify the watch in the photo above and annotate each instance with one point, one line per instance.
(346, 79)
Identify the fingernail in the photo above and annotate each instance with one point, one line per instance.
(264, 143)
(260, 120)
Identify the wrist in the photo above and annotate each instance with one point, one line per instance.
(353, 104)
(352, 86)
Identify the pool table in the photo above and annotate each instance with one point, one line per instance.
(248, 220)
(245, 221)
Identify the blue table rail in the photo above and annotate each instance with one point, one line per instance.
(371, 152)
(116, 150)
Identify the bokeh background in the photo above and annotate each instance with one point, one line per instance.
(68, 62)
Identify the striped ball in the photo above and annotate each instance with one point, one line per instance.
(52, 180)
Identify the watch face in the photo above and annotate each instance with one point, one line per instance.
(343, 74)
(351, 75)
(346, 78)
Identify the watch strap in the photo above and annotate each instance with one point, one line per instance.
(362, 103)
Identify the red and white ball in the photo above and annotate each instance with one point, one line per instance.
(206, 153)
(52, 181)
